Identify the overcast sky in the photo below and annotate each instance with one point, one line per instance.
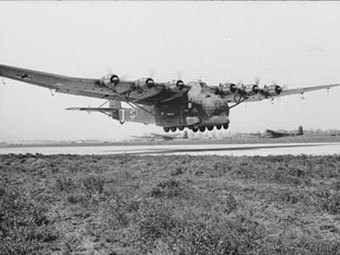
(293, 43)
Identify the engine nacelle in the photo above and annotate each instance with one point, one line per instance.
(226, 89)
(110, 81)
(180, 84)
(144, 83)
(250, 89)
(273, 90)
(233, 88)
(175, 85)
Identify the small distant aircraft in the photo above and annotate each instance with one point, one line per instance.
(172, 105)
(154, 136)
(276, 134)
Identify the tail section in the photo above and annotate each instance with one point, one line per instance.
(300, 130)
(116, 112)
(136, 114)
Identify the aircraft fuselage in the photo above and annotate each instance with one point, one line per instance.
(197, 111)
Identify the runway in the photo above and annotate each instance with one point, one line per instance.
(197, 149)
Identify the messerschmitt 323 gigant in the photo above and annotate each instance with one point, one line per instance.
(172, 105)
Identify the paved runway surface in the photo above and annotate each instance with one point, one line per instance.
(197, 149)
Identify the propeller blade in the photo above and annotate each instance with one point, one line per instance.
(257, 81)
(151, 73)
(109, 70)
(179, 75)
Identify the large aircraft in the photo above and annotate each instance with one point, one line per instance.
(172, 105)
(154, 136)
(277, 134)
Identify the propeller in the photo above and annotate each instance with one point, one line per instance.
(122, 77)
(109, 70)
(278, 89)
(151, 73)
(257, 81)
(179, 75)
(256, 87)
(150, 83)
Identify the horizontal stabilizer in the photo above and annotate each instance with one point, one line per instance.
(92, 109)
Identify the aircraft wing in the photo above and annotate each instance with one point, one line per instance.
(284, 92)
(269, 131)
(58, 83)
(166, 137)
(125, 90)
(141, 136)
(287, 92)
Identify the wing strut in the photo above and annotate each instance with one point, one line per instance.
(103, 104)
(125, 99)
(239, 101)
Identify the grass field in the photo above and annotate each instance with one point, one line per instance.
(68, 204)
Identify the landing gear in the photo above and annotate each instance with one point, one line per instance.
(218, 127)
(166, 129)
(194, 128)
(226, 125)
(202, 129)
(210, 128)
(173, 129)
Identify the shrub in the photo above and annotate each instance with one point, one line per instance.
(336, 185)
(334, 203)
(64, 184)
(177, 171)
(231, 203)
(76, 198)
(93, 183)
(168, 189)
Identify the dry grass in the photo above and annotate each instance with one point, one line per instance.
(164, 205)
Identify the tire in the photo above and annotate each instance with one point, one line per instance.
(218, 127)
(202, 129)
(173, 129)
(166, 129)
(210, 128)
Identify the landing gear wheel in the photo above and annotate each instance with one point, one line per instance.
(210, 128)
(173, 129)
(202, 129)
(226, 125)
(166, 129)
(194, 128)
(218, 127)
(181, 128)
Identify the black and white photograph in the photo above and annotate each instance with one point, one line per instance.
(169, 127)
